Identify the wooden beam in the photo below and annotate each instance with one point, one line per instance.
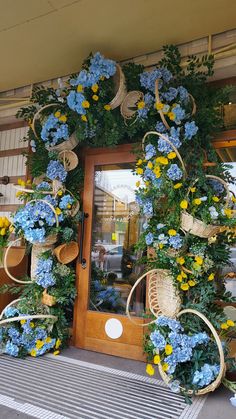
(8, 208)
(13, 152)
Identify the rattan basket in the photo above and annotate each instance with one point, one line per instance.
(7, 262)
(66, 252)
(69, 159)
(120, 87)
(217, 381)
(163, 298)
(75, 207)
(193, 225)
(47, 299)
(128, 107)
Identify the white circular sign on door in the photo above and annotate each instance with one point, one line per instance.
(113, 328)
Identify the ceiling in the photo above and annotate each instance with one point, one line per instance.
(44, 39)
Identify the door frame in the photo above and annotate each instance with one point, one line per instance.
(89, 326)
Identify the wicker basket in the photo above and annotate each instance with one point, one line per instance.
(69, 159)
(48, 300)
(119, 82)
(169, 142)
(75, 207)
(7, 261)
(163, 298)
(193, 225)
(128, 107)
(66, 252)
(217, 381)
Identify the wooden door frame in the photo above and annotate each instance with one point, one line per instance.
(94, 157)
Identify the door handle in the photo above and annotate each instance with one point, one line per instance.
(82, 260)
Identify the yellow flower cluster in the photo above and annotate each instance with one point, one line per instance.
(40, 343)
(157, 361)
(4, 226)
(229, 323)
(62, 118)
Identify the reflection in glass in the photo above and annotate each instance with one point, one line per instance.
(116, 229)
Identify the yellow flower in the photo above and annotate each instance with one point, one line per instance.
(6, 222)
(162, 160)
(137, 184)
(107, 107)
(85, 104)
(21, 182)
(102, 78)
(224, 326)
(183, 274)
(94, 88)
(215, 198)
(11, 228)
(39, 344)
(179, 278)
(157, 171)
(139, 171)
(141, 104)
(159, 106)
(199, 260)
(211, 277)
(168, 349)
(68, 206)
(32, 325)
(197, 201)
(171, 116)
(33, 352)
(56, 353)
(184, 204)
(22, 321)
(230, 323)
(95, 97)
(149, 369)
(1, 222)
(228, 212)
(57, 114)
(80, 88)
(48, 340)
(171, 155)
(58, 211)
(63, 118)
(180, 260)
(147, 183)
(177, 185)
(58, 343)
(150, 165)
(184, 287)
(84, 118)
(191, 283)
(2, 232)
(193, 189)
(59, 193)
(157, 359)
(172, 232)
(18, 193)
(139, 162)
(161, 245)
(165, 366)
(234, 199)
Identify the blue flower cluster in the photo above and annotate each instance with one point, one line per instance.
(150, 151)
(174, 172)
(149, 239)
(43, 186)
(33, 219)
(66, 202)
(149, 102)
(179, 113)
(54, 131)
(56, 171)
(190, 129)
(205, 375)
(43, 273)
(75, 101)
(176, 241)
(107, 295)
(148, 78)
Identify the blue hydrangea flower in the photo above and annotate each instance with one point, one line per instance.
(85, 79)
(162, 238)
(160, 226)
(183, 94)
(11, 312)
(142, 113)
(158, 340)
(149, 175)
(205, 375)
(75, 100)
(175, 386)
(149, 239)
(54, 131)
(173, 324)
(56, 171)
(43, 273)
(11, 349)
(44, 186)
(174, 172)
(179, 113)
(65, 201)
(150, 151)
(170, 95)
(190, 129)
(160, 127)
(148, 208)
(176, 241)
(102, 67)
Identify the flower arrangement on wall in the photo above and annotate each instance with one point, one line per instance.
(176, 114)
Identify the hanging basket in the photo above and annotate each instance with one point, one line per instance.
(170, 144)
(198, 228)
(120, 88)
(163, 297)
(69, 144)
(218, 379)
(69, 159)
(66, 252)
(48, 300)
(75, 207)
(128, 107)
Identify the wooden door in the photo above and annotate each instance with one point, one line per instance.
(108, 268)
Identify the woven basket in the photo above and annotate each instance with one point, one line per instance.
(8, 263)
(128, 107)
(48, 300)
(66, 252)
(69, 159)
(75, 207)
(193, 225)
(169, 142)
(163, 298)
(217, 381)
(120, 87)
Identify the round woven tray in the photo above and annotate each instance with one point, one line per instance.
(128, 107)
(217, 381)
(163, 297)
(69, 159)
(120, 87)
(193, 225)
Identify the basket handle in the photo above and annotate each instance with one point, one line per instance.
(170, 143)
(130, 295)
(160, 111)
(219, 180)
(6, 267)
(38, 113)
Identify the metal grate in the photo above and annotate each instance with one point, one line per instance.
(51, 387)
